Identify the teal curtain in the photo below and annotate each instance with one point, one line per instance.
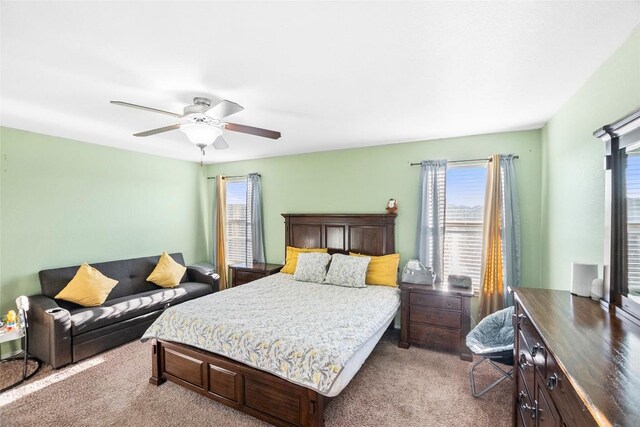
(510, 227)
(254, 193)
(431, 214)
(214, 219)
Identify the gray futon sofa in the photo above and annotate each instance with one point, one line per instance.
(61, 332)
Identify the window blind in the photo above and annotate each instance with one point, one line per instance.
(239, 210)
(465, 190)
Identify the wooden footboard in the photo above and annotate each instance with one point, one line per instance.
(239, 386)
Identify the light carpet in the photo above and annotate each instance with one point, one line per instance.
(395, 387)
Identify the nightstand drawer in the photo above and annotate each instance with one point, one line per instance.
(435, 316)
(441, 337)
(245, 273)
(438, 301)
(243, 277)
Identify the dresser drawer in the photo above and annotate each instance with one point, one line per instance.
(438, 301)
(573, 410)
(525, 364)
(435, 316)
(439, 337)
(242, 277)
(524, 402)
(546, 413)
(532, 343)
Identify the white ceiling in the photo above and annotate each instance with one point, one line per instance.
(327, 75)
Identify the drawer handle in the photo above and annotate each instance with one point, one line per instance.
(521, 318)
(440, 317)
(536, 348)
(552, 381)
(524, 407)
(534, 410)
(523, 362)
(449, 304)
(419, 300)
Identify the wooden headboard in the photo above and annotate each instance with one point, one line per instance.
(371, 234)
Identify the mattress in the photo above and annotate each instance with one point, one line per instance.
(355, 363)
(310, 334)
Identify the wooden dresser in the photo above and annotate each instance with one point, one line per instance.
(577, 364)
(435, 317)
(245, 273)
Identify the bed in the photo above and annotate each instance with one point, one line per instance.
(275, 348)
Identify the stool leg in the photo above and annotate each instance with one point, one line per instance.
(472, 379)
(504, 375)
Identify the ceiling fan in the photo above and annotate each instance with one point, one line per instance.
(201, 128)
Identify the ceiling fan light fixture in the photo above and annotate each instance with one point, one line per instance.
(201, 134)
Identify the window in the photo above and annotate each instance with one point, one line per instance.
(465, 188)
(238, 235)
(632, 178)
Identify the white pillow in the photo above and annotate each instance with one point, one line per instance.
(349, 271)
(312, 267)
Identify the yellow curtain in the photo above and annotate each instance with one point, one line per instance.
(221, 222)
(491, 289)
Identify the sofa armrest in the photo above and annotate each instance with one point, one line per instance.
(49, 331)
(40, 304)
(201, 276)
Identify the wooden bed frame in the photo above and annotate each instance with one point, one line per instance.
(252, 391)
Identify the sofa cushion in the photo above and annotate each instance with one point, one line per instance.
(120, 309)
(131, 275)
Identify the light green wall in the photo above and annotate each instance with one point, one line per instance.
(64, 202)
(362, 180)
(573, 189)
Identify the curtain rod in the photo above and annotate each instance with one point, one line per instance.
(488, 159)
(233, 176)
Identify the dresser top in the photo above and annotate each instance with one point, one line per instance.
(257, 267)
(437, 289)
(598, 352)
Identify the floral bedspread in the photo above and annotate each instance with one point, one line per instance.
(303, 332)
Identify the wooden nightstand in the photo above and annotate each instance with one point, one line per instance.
(245, 273)
(436, 317)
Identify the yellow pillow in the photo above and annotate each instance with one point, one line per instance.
(167, 273)
(88, 288)
(382, 270)
(292, 257)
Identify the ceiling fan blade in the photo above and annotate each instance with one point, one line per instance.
(224, 108)
(158, 130)
(235, 127)
(220, 143)
(141, 107)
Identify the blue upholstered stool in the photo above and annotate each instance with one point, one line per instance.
(492, 339)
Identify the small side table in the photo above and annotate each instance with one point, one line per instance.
(245, 273)
(436, 317)
(18, 334)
